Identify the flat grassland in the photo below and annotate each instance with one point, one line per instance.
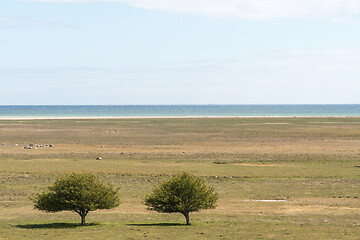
(311, 164)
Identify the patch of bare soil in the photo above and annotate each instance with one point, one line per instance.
(262, 165)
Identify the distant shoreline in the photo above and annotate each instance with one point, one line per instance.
(155, 117)
(177, 111)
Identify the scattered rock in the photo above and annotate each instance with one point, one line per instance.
(33, 146)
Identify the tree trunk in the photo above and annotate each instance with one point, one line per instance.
(186, 214)
(83, 215)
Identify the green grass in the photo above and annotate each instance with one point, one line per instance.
(309, 162)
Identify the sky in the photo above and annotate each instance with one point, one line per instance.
(179, 52)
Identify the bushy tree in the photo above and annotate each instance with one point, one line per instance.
(183, 193)
(77, 192)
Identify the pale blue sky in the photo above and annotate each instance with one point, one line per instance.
(179, 51)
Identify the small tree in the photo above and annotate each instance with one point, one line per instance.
(183, 193)
(77, 192)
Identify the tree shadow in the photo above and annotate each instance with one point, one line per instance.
(54, 225)
(156, 224)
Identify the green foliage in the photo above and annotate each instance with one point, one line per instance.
(183, 193)
(77, 192)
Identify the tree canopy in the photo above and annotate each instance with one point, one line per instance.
(77, 192)
(183, 193)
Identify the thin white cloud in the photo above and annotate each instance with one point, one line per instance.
(9, 21)
(245, 9)
(22, 21)
(297, 76)
(301, 65)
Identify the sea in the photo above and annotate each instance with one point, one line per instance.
(282, 110)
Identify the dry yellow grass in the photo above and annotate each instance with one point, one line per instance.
(308, 162)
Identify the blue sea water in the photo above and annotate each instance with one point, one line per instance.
(179, 110)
